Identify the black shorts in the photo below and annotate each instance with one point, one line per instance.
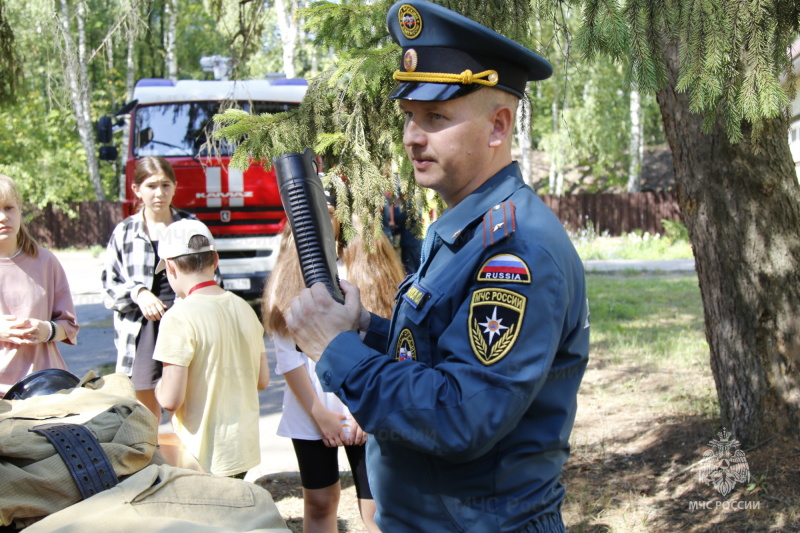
(146, 371)
(319, 466)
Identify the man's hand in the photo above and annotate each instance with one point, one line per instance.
(358, 435)
(314, 318)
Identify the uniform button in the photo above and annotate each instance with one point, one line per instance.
(497, 207)
(326, 377)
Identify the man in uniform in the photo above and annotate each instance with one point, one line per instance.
(469, 392)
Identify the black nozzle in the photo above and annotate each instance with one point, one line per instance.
(304, 200)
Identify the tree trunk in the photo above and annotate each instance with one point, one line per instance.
(741, 206)
(636, 145)
(551, 180)
(285, 11)
(562, 156)
(130, 35)
(524, 140)
(10, 67)
(171, 59)
(76, 72)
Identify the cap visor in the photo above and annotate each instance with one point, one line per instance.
(432, 92)
(162, 264)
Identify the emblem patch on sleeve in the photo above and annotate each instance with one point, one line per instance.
(495, 317)
(505, 267)
(406, 348)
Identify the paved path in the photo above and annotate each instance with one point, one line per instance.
(621, 265)
(95, 348)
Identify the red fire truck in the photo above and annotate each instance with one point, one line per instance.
(243, 210)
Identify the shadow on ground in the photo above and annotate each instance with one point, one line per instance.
(652, 483)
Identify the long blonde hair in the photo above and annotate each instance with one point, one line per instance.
(9, 192)
(376, 274)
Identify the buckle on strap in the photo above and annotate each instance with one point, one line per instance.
(83, 456)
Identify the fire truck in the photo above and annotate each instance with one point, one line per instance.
(242, 209)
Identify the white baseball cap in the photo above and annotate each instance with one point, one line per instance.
(175, 241)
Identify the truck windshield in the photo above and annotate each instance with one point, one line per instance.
(184, 128)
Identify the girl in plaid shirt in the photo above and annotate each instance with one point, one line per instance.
(138, 296)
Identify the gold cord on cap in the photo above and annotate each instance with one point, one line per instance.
(465, 78)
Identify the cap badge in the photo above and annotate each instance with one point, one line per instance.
(410, 21)
(410, 60)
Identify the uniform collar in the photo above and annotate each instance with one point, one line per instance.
(496, 190)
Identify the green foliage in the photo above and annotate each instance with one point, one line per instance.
(10, 69)
(343, 118)
(49, 163)
(643, 246)
(732, 57)
(592, 99)
(732, 54)
(198, 36)
(674, 230)
(347, 25)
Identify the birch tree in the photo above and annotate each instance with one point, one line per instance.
(76, 74)
(171, 39)
(286, 11)
(636, 145)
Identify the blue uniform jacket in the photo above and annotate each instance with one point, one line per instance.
(469, 392)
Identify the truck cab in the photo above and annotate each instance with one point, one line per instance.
(242, 209)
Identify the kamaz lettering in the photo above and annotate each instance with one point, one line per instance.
(231, 194)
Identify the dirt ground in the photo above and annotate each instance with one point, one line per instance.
(637, 451)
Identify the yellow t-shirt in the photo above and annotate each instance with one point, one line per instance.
(220, 339)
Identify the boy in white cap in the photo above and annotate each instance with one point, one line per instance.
(212, 345)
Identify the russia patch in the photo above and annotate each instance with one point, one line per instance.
(505, 267)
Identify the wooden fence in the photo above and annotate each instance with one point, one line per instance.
(89, 223)
(616, 213)
(93, 222)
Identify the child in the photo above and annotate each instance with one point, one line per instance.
(316, 421)
(138, 296)
(212, 346)
(36, 308)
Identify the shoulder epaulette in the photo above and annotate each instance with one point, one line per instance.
(498, 223)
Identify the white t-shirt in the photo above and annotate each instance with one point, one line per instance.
(295, 422)
(220, 339)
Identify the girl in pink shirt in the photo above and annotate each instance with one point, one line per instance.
(36, 308)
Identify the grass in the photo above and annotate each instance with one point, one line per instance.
(646, 325)
(647, 410)
(646, 318)
(674, 244)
